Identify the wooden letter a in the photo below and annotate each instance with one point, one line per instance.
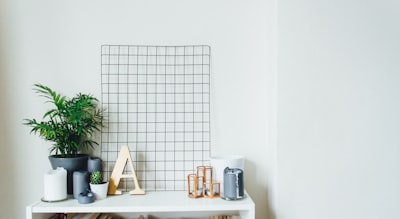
(124, 157)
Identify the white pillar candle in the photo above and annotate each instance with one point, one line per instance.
(55, 185)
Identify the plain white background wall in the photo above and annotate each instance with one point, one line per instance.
(337, 101)
(57, 43)
(338, 109)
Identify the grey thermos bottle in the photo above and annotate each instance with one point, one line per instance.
(233, 184)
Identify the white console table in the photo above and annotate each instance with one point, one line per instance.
(159, 204)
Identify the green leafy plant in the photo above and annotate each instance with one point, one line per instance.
(96, 178)
(71, 124)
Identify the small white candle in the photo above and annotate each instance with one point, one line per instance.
(55, 185)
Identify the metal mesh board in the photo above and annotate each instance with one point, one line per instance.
(157, 101)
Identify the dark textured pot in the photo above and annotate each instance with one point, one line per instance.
(94, 164)
(71, 164)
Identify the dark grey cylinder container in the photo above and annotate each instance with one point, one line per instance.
(233, 184)
(94, 164)
(80, 182)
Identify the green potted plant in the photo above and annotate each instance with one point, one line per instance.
(71, 126)
(98, 187)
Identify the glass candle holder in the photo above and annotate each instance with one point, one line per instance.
(208, 171)
(195, 186)
(212, 189)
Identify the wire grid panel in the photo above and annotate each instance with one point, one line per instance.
(158, 103)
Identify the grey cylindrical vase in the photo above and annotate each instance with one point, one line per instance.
(94, 164)
(233, 184)
(81, 182)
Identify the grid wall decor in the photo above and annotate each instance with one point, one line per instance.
(157, 101)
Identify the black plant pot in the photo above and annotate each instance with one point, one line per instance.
(71, 164)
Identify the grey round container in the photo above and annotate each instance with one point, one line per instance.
(94, 164)
(80, 182)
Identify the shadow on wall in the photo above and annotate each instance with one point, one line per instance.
(8, 200)
(262, 202)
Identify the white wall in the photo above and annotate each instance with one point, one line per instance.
(338, 109)
(337, 63)
(58, 43)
